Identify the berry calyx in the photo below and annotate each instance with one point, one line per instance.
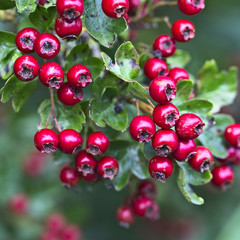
(46, 140)
(184, 150)
(69, 177)
(108, 167)
(183, 30)
(51, 75)
(160, 168)
(232, 134)
(165, 44)
(191, 7)
(147, 188)
(115, 8)
(142, 128)
(25, 39)
(125, 216)
(26, 68)
(178, 74)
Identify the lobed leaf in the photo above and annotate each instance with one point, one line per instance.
(26, 5)
(179, 59)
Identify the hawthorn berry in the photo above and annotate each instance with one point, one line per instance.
(25, 39)
(91, 178)
(49, 235)
(79, 76)
(160, 168)
(201, 159)
(162, 89)
(69, 177)
(97, 143)
(142, 128)
(46, 46)
(184, 150)
(69, 95)
(231, 155)
(42, 2)
(85, 163)
(155, 67)
(222, 176)
(19, 204)
(71, 232)
(189, 126)
(69, 141)
(178, 74)
(147, 188)
(232, 134)
(165, 116)
(46, 140)
(125, 216)
(165, 44)
(108, 167)
(115, 8)
(191, 7)
(55, 223)
(51, 75)
(26, 68)
(183, 30)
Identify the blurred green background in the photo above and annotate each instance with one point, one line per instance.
(93, 207)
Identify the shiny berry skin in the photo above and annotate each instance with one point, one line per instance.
(70, 9)
(51, 75)
(155, 67)
(26, 68)
(183, 30)
(55, 223)
(71, 232)
(85, 163)
(165, 44)
(165, 116)
(164, 142)
(223, 176)
(91, 178)
(69, 177)
(191, 7)
(69, 141)
(160, 168)
(189, 126)
(19, 204)
(115, 8)
(142, 128)
(162, 89)
(232, 134)
(68, 30)
(184, 150)
(147, 188)
(125, 216)
(178, 74)
(108, 167)
(25, 39)
(201, 159)
(69, 95)
(145, 207)
(46, 46)
(46, 140)
(79, 76)
(97, 143)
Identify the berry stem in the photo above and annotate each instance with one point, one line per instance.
(85, 131)
(137, 106)
(48, 119)
(164, 3)
(53, 110)
(151, 103)
(167, 21)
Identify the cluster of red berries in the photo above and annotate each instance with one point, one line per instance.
(142, 205)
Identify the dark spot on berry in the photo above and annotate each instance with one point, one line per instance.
(26, 72)
(86, 168)
(70, 14)
(169, 92)
(48, 148)
(144, 135)
(109, 172)
(83, 78)
(94, 150)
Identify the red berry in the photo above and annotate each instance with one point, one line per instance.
(55, 223)
(69, 95)
(46, 140)
(69, 141)
(147, 188)
(48, 235)
(125, 216)
(108, 167)
(70, 9)
(184, 150)
(178, 74)
(85, 163)
(69, 177)
(201, 159)
(142, 128)
(189, 126)
(155, 67)
(79, 76)
(222, 176)
(47, 46)
(68, 30)
(160, 168)
(97, 143)
(165, 116)
(183, 30)
(71, 232)
(51, 75)
(191, 7)
(115, 8)
(25, 39)
(232, 134)
(42, 2)
(165, 44)
(162, 90)
(19, 204)
(134, 4)
(26, 68)
(164, 142)
(230, 158)
(91, 178)
(145, 207)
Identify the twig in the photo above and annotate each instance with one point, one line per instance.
(137, 106)
(48, 119)
(151, 103)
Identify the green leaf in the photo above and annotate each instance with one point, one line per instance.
(100, 26)
(95, 66)
(6, 4)
(44, 110)
(28, 5)
(218, 87)
(212, 138)
(149, 152)
(179, 59)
